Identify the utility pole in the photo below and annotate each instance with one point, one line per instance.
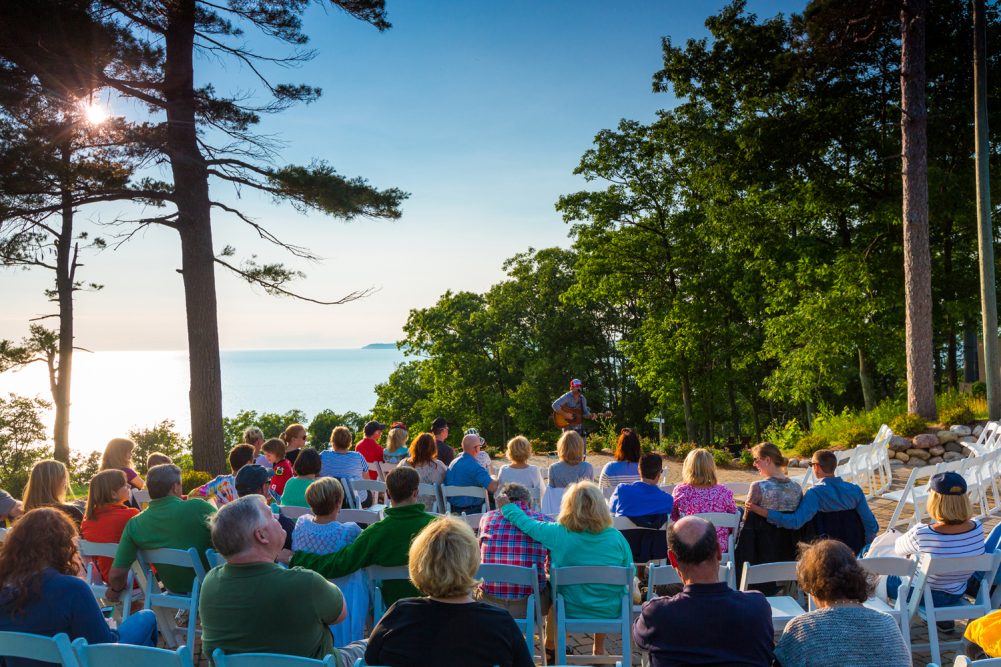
(985, 235)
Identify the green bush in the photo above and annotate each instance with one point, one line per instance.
(682, 450)
(192, 479)
(979, 389)
(747, 458)
(541, 447)
(908, 425)
(957, 414)
(784, 436)
(856, 434)
(162, 438)
(597, 443)
(809, 444)
(22, 440)
(720, 456)
(83, 468)
(648, 445)
(323, 425)
(271, 423)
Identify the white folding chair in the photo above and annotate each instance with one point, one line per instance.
(666, 575)
(784, 607)
(383, 468)
(551, 500)
(159, 598)
(899, 567)
(986, 441)
(589, 575)
(269, 660)
(497, 573)
(294, 511)
(214, 558)
(472, 520)
(38, 647)
(449, 492)
(141, 497)
(361, 517)
(377, 576)
(357, 488)
(432, 491)
(89, 551)
(729, 521)
(981, 473)
(124, 655)
(914, 493)
(963, 661)
(964, 609)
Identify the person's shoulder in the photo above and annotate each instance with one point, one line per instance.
(65, 584)
(198, 505)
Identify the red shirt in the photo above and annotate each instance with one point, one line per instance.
(106, 526)
(372, 452)
(283, 473)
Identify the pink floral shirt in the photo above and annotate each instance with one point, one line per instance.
(694, 500)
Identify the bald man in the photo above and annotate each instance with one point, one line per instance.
(707, 623)
(465, 470)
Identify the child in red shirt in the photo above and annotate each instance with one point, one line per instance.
(106, 514)
(274, 451)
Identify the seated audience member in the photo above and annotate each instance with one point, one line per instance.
(341, 462)
(281, 467)
(42, 594)
(369, 446)
(320, 532)
(448, 627)
(253, 605)
(254, 437)
(954, 534)
(168, 523)
(701, 493)
(841, 631)
(385, 542)
(424, 459)
(646, 505)
(47, 487)
(256, 480)
(625, 468)
(439, 429)
(222, 489)
(571, 468)
(501, 542)
(519, 450)
(582, 535)
(307, 469)
(482, 457)
(10, 507)
(396, 443)
(295, 438)
(707, 623)
(467, 471)
(118, 456)
(157, 459)
(839, 509)
(106, 513)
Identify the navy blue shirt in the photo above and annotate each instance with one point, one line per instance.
(707, 624)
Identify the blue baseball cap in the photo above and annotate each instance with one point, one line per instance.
(948, 484)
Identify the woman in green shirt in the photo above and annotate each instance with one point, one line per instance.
(583, 535)
(306, 468)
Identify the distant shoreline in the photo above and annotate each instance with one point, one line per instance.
(380, 346)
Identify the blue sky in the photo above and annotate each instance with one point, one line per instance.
(480, 110)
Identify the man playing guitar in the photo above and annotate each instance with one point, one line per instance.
(570, 409)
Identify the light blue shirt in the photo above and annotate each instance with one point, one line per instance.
(830, 494)
(567, 401)
(466, 471)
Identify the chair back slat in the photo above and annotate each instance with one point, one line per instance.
(176, 557)
(268, 660)
(498, 573)
(721, 519)
(767, 573)
(591, 574)
(294, 511)
(889, 566)
(125, 655)
(97, 549)
(214, 558)
(38, 647)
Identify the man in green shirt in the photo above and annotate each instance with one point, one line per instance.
(253, 605)
(385, 542)
(168, 523)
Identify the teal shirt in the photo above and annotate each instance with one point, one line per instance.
(569, 549)
(294, 494)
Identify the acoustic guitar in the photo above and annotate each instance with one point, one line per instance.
(574, 417)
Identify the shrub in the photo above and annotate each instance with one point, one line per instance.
(957, 414)
(323, 425)
(22, 440)
(747, 458)
(682, 450)
(162, 438)
(809, 444)
(192, 479)
(908, 425)
(596, 443)
(785, 436)
(720, 456)
(648, 445)
(271, 423)
(83, 468)
(856, 434)
(541, 447)
(979, 389)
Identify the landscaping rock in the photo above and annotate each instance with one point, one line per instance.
(935, 460)
(896, 463)
(899, 443)
(902, 457)
(946, 436)
(915, 463)
(954, 447)
(961, 430)
(951, 456)
(924, 441)
(937, 450)
(919, 454)
(977, 430)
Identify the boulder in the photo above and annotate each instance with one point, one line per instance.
(961, 430)
(915, 463)
(902, 457)
(968, 438)
(937, 450)
(977, 430)
(896, 463)
(954, 447)
(924, 441)
(951, 456)
(899, 443)
(946, 436)
(793, 463)
(935, 460)
(919, 454)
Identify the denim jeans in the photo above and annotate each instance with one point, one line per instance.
(940, 598)
(139, 629)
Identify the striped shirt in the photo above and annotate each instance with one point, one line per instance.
(923, 539)
(618, 472)
(350, 465)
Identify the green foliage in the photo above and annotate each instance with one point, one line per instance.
(22, 440)
(851, 436)
(908, 425)
(720, 456)
(162, 438)
(323, 425)
(979, 389)
(845, 427)
(83, 468)
(809, 444)
(192, 479)
(956, 414)
(682, 450)
(955, 405)
(746, 458)
(598, 443)
(784, 436)
(271, 423)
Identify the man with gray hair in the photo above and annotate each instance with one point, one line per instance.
(465, 470)
(707, 623)
(255, 437)
(302, 603)
(168, 523)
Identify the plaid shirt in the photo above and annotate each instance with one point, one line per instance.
(501, 542)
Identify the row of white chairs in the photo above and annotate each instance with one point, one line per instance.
(867, 465)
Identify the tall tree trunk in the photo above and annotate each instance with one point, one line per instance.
(951, 362)
(865, 379)
(686, 402)
(194, 224)
(971, 373)
(914, 175)
(65, 270)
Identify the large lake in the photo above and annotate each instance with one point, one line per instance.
(114, 391)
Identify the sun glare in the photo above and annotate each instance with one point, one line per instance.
(95, 113)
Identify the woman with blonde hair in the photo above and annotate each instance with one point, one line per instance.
(700, 492)
(106, 514)
(571, 467)
(47, 487)
(294, 437)
(520, 471)
(396, 443)
(443, 561)
(582, 535)
(424, 459)
(118, 456)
